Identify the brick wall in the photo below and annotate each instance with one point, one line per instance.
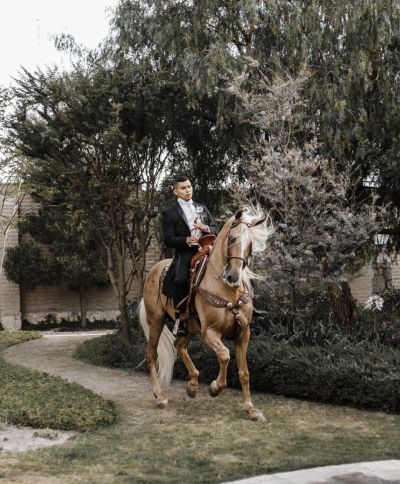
(58, 301)
(361, 282)
(10, 307)
(61, 302)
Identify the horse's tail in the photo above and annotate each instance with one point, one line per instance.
(166, 352)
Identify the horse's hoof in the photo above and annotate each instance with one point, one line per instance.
(161, 404)
(257, 416)
(214, 390)
(191, 391)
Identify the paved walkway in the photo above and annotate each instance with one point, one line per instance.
(380, 472)
(53, 354)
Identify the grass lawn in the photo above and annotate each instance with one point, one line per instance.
(40, 400)
(210, 440)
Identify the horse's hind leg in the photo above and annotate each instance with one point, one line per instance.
(213, 339)
(181, 344)
(156, 325)
(241, 345)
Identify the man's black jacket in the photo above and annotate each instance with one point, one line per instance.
(175, 230)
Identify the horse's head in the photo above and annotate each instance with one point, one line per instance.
(240, 245)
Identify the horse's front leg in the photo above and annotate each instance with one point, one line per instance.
(213, 340)
(241, 345)
(181, 344)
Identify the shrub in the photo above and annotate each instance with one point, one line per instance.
(9, 338)
(365, 376)
(112, 351)
(391, 302)
(41, 400)
(50, 323)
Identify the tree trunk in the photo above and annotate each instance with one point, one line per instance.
(343, 305)
(82, 304)
(122, 303)
(126, 328)
(118, 283)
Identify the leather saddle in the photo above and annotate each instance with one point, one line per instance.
(198, 266)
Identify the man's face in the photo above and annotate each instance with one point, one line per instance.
(183, 190)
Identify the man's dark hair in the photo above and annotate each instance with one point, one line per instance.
(180, 179)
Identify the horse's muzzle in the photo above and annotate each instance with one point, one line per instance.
(232, 280)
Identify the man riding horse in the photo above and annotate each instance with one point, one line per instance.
(183, 224)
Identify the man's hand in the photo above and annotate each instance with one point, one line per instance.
(192, 240)
(199, 225)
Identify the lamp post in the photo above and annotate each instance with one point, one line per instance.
(382, 278)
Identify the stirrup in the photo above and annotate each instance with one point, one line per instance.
(179, 328)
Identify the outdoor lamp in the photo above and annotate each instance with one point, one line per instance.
(381, 239)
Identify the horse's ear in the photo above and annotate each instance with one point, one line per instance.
(258, 222)
(238, 214)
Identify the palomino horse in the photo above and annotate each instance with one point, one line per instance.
(223, 305)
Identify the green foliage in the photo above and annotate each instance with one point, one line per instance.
(113, 351)
(70, 250)
(380, 326)
(41, 400)
(9, 338)
(25, 265)
(363, 376)
(351, 49)
(322, 230)
(192, 48)
(94, 143)
(50, 323)
(391, 303)
(347, 373)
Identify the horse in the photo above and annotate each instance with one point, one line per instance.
(223, 307)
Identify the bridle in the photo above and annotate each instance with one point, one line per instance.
(229, 257)
(245, 296)
(220, 274)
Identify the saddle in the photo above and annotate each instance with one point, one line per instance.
(197, 269)
(206, 242)
(198, 266)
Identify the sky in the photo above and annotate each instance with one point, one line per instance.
(27, 27)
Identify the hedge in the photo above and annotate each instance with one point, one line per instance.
(40, 400)
(365, 376)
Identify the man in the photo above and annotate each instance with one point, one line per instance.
(183, 224)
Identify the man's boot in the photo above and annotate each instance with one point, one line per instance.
(180, 325)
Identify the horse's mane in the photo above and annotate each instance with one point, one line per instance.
(257, 235)
(260, 233)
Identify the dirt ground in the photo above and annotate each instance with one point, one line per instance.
(18, 439)
(53, 354)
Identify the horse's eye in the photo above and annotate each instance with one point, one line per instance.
(231, 239)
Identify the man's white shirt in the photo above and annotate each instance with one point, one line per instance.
(191, 215)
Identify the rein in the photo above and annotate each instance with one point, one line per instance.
(228, 257)
(220, 302)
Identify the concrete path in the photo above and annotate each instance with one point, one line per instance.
(53, 354)
(380, 472)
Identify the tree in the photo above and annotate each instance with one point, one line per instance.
(12, 193)
(322, 230)
(192, 47)
(352, 52)
(58, 251)
(95, 137)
